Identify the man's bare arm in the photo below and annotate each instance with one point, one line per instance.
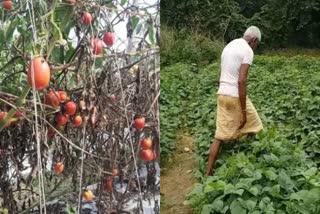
(242, 84)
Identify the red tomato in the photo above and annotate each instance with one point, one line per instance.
(147, 155)
(52, 99)
(139, 123)
(77, 121)
(71, 108)
(7, 4)
(108, 38)
(63, 96)
(59, 167)
(86, 18)
(146, 143)
(62, 119)
(97, 45)
(41, 72)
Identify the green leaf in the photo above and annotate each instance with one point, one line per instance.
(242, 202)
(308, 196)
(262, 206)
(254, 191)
(236, 208)
(310, 172)
(270, 209)
(151, 34)
(218, 205)
(247, 172)
(206, 209)
(257, 175)
(285, 181)
(251, 204)
(270, 175)
(266, 200)
(123, 2)
(134, 21)
(214, 186)
(225, 209)
(229, 188)
(239, 191)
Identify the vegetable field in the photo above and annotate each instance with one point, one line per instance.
(79, 111)
(275, 172)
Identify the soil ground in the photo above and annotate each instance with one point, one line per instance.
(177, 178)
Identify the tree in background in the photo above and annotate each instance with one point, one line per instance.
(284, 23)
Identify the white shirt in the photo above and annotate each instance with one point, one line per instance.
(237, 52)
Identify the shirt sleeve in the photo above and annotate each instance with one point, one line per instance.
(248, 57)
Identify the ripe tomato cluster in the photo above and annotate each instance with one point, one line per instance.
(68, 109)
(97, 44)
(147, 154)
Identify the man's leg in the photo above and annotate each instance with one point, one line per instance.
(214, 151)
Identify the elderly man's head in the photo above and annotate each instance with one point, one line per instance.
(253, 36)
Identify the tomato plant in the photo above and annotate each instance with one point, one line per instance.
(82, 106)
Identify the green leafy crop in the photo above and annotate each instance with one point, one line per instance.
(278, 170)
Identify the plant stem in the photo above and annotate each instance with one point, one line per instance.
(20, 102)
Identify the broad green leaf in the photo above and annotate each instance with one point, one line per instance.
(206, 209)
(251, 204)
(310, 172)
(269, 208)
(262, 206)
(218, 205)
(214, 186)
(257, 175)
(270, 175)
(236, 208)
(123, 2)
(247, 172)
(285, 181)
(239, 191)
(254, 191)
(308, 196)
(225, 209)
(266, 200)
(242, 202)
(229, 188)
(241, 185)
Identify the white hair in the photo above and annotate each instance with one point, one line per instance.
(252, 32)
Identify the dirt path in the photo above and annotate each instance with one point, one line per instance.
(177, 178)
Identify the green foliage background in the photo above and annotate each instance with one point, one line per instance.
(283, 22)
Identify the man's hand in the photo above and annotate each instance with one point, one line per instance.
(243, 120)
